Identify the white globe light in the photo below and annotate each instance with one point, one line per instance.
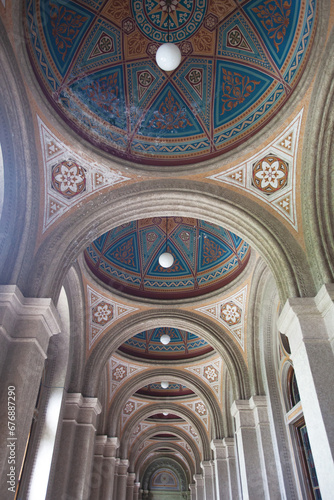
(165, 339)
(168, 56)
(166, 259)
(165, 413)
(164, 385)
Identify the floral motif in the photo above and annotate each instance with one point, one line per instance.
(170, 115)
(210, 373)
(235, 89)
(203, 41)
(104, 93)
(211, 251)
(106, 43)
(136, 44)
(230, 313)
(210, 22)
(66, 25)
(270, 174)
(128, 408)
(200, 409)
(68, 178)
(119, 373)
(274, 15)
(128, 25)
(102, 313)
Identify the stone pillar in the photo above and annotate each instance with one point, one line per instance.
(122, 479)
(96, 477)
(225, 466)
(248, 451)
(136, 489)
(231, 468)
(209, 486)
(309, 325)
(130, 484)
(26, 327)
(115, 488)
(199, 481)
(259, 406)
(108, 467)
(75, 455)
(192, 488)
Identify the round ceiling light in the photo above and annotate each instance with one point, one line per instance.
(165, 339)
(164, 384)
(166, 260)
(168, 56)
(165, 413)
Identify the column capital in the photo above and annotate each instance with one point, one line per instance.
(123, 466)
(100, 442)
(82, 410)
(111, 447)
(27, 319)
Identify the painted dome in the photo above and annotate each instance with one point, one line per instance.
(182, 345)
(155, 390)
(206, 257)
(95, 61)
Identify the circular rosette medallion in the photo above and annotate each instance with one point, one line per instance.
(270, 174)
(185, 18)
(68, 178)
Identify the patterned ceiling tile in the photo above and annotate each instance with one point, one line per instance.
(270, 175)
(130, 407)
(119, 372)
(206, 257)
(231, 313)
(69, 179)
(201, 411)
(238, 68)
(211, 373)
(103, 312)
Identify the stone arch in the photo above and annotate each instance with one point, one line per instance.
(215, 204)
(171, 430)
(172, 375)
(160, 462)
(176, 409)
(203, 327)
(155, 446)
(317, 173)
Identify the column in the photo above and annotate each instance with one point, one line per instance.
(248, 451)
(108, 467)
(115, 488)
(199, 481)
(26, 327)
(209, 486)
(231, 468)
(122, 479)
(308, 323)
(75, 457)
(225, 466)
(96, 475)
(192, 488)
(136, 491)
(130, 484)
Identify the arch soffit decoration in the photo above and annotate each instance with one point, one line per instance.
(215, 204)
(141, 461)
(172, 375)
(170, 430)
(188, 321)
(174, 408)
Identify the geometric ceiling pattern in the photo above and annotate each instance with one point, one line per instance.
(182, 345)
(206, 257)
(270, 175)
(103, 312)
(69, 178)
(230, 312)
(95, 62)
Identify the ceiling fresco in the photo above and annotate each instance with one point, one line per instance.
(95, 61)
(173, 390)
(183, 345)
(206, 257)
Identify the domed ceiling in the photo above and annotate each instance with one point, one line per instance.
(206, 257)
(95, 61)
(155, 390)
(182, 345)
